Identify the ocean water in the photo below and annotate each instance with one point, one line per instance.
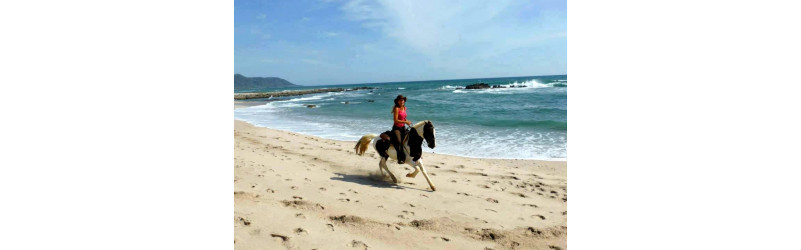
(519, 123)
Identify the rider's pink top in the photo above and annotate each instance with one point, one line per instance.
(401, 117)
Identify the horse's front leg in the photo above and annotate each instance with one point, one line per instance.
(425, 174)
(416, 169)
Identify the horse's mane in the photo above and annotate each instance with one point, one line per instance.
(420, 123)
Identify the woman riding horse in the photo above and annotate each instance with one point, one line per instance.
(399, 126)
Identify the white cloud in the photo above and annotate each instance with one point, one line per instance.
(332, 34)
(261, 16)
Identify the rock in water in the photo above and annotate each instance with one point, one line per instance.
(478, 86)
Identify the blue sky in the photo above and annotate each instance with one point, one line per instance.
(322, 42)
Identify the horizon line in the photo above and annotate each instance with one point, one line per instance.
(411, 81)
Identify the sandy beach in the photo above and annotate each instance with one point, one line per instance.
(294, 191)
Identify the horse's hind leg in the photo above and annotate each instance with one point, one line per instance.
(383, 164)
(381, 167)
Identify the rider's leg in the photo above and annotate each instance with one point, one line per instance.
(398, 148)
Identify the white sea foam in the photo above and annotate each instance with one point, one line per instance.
(450, 87)
(451, 139)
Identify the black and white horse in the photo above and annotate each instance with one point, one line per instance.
(413, 145)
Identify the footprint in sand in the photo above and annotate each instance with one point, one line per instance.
(297, 197)
(282, 237)
(244, 221)
(538, 216)
(358, 244)
(299, 215)
(301, 231)
(519, 194)
(492, 200)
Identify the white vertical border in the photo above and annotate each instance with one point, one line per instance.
(683, 125)
(117, 124)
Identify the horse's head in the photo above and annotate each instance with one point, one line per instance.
(429, 134)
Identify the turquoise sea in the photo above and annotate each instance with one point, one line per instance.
(526, 120)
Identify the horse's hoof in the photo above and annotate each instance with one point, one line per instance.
(433, 188)
(410, 175)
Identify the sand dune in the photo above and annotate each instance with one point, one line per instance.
(294, 191)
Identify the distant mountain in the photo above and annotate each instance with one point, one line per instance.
(243, 82)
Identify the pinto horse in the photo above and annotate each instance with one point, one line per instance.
(413, 145)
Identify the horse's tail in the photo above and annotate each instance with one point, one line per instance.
(361, 145)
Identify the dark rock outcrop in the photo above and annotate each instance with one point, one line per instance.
(478, 86)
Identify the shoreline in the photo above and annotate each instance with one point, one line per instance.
(244, 104)
(300, 191)
(240, 105)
